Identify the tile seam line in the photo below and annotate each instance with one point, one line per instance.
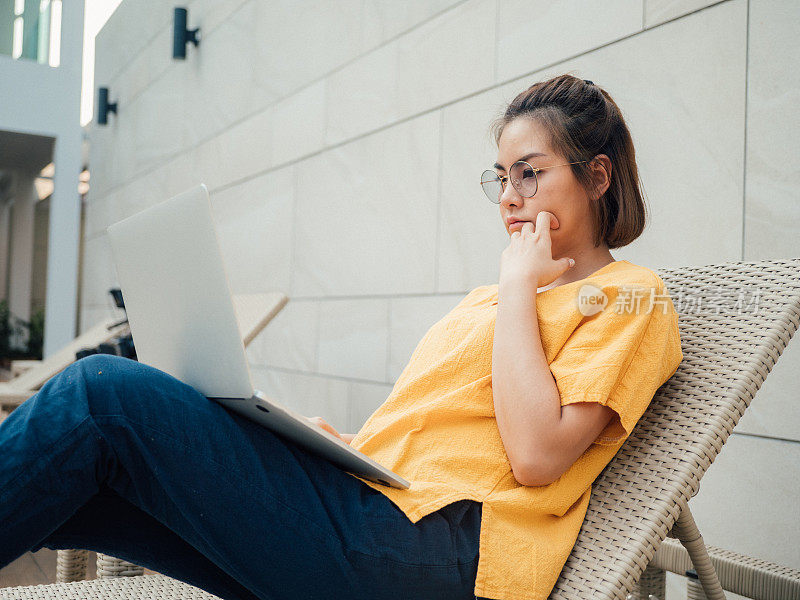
(345, 378)
(764, 436)
(681, 16)
(437, 244)
(495, 66)
(334, 70)
(319, 375)
(644, 14)
(387, 375)
(345, 297)
(160, 163)
(317, 336)
(293, 233)
(744, 136)
(150, 40)
(302, 88)
(450, 103)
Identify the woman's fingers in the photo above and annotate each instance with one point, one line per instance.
(529, 254)
(319, 421)
(543, 221)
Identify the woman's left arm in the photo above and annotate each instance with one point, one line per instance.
(542, 438)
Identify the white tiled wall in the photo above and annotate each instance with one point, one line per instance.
(342, 143)
(772, 196)
(365, 218)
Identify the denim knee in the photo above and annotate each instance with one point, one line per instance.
(95, 363)
(119, 386)
(101, 376)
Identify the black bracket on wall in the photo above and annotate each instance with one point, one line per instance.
(104, 106)
(181, 35)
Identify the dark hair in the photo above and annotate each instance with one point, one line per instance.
(583, 121)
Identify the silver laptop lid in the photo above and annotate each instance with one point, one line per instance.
(177, 295)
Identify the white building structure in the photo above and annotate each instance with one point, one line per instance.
(41, 44)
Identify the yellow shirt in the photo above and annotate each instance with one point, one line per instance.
(441, 405)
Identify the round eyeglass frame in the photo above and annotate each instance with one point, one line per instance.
(490, 176)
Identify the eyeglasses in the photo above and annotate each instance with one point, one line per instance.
(523, 178)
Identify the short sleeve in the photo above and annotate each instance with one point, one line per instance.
(620, 356)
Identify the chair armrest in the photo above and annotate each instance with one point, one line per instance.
(740, 574)
(18, 367)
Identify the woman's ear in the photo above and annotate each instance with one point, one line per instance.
(601, 174)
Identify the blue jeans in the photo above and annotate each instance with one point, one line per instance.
(116, 456)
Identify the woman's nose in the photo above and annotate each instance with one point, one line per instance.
(510, 196)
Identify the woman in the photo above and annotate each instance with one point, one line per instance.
(508, 409)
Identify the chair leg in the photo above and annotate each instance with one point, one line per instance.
(71, 565)
(108, 566)
(689, 535)
(652, 582)
(694, 589)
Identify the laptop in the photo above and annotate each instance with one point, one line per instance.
(181, 316)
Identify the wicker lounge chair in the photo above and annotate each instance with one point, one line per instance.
(641, 497)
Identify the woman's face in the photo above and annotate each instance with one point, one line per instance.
(559, 192)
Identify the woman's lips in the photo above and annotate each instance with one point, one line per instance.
(517, 224)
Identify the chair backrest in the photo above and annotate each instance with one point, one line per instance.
(735, 319)
(36, 376)
(253, 312)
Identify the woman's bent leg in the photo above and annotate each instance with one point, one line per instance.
(50, 451)
(110, 524)
(278, 520)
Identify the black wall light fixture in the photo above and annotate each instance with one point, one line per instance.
(181, 35)
(104, 106)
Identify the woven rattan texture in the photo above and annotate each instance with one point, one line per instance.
(735, 319)
(144, 587)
